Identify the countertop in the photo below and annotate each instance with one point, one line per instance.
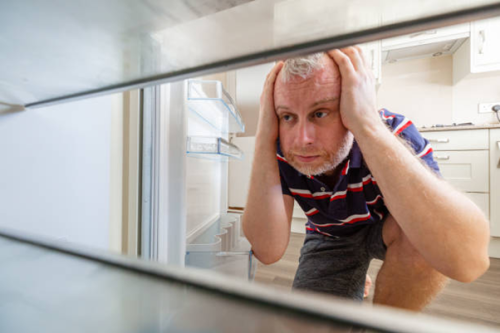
(458, 128)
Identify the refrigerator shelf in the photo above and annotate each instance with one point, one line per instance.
(212, 148)
(209, 101)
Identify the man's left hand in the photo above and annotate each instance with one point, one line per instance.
(358, 96)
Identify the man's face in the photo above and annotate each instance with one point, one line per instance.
(312, 135)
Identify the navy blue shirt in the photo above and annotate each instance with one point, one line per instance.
(355, 200)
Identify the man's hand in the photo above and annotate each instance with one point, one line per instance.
(267, 128)
(358, 96)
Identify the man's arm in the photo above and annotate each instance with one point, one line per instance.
(448, 229)
(268, 213)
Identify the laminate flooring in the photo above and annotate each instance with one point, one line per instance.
(477, 302)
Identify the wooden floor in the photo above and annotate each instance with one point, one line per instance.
(477, 302)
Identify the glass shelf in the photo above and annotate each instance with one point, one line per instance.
(212, 148)
(209, 100)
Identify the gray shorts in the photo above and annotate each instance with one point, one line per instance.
(338, 266)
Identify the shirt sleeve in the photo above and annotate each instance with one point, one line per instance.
(403, 127)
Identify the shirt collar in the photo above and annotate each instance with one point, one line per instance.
(355, 156)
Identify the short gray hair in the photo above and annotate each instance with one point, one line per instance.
(302, 66)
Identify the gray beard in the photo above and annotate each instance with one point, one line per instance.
(331, 164)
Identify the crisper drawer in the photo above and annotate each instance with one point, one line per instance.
(458, 140)
(467, 170)
(482, 200)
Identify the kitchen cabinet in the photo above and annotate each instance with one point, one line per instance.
(495, 182)
(462, 157)
(485, 48)
(480, 53)
(470, 161)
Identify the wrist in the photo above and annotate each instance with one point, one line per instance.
(264, 141)
(370, 130)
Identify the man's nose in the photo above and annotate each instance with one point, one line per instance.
(306, 133)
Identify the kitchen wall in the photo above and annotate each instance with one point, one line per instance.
(423, 91)
(420, 89)
(472, 90)
(249, 84)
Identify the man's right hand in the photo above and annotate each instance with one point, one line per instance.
(268, 120)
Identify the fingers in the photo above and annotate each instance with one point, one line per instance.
(267, 93)
(356, 58)
(271, 77)
(343, 62)
(349, 60)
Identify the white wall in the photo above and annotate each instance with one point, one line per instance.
(423, 90)
(472, 90)
(55, 171)
(420, 89)
(249, 84)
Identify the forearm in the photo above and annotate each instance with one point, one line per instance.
(448, 229)
(265, 221)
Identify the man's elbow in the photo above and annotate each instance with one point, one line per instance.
(268, 257)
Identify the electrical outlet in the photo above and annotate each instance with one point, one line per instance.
(486, 107)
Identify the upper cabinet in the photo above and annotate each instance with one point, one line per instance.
(485, 46)
(480, 53)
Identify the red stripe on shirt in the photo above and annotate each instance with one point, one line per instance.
(344, 171)
(303, 195)
(313, 213)
(341, 196)
(427, 153)
(405, 126)
(281, 159)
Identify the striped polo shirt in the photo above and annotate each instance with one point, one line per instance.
(355, 200)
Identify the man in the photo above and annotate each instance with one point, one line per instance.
(367, 182)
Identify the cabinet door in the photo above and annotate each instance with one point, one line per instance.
(485, 46)
(495, 182)
(458, 140)
(466, 170)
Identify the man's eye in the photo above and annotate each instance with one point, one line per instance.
(287, 117)
(320, 114)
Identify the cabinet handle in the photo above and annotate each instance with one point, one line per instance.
(442, 157)
(482, 34)
(439, 140)
(429, 32)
